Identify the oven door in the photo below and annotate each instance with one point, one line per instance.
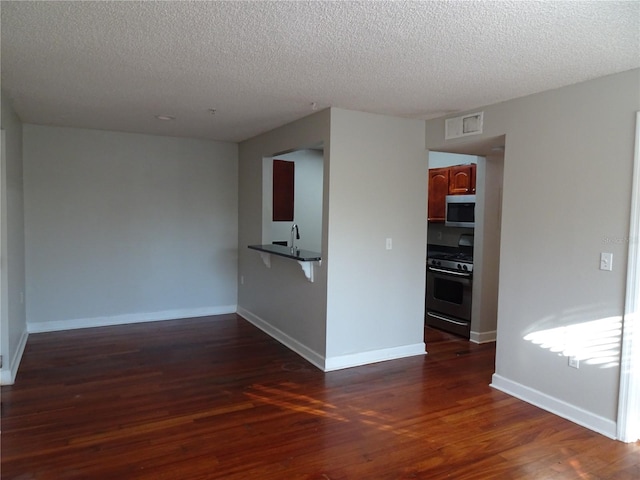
(449, 293)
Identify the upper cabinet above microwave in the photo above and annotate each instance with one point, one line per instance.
(456, 180)
(462, 179)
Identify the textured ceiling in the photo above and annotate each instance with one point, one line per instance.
(115, 65)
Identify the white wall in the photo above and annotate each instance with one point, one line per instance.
(13, 328)
(445, 159)
(366, 303)
(567, 189)
(307, 213)
(486, 258)
(375, 297)
(280, 300)
(126, 227)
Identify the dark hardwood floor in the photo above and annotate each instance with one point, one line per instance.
(215, 398)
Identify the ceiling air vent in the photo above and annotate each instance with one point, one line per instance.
(457, 127)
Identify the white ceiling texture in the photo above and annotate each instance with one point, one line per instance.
(260, 64)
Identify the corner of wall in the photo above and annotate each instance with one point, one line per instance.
(305, 352)
(8, 374)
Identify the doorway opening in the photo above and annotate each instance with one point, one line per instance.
(488, 155)
(306, 198)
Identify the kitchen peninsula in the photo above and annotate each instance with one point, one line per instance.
(305, 258)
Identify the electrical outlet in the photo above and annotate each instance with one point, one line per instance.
(606, 261)
(574, 362)
(389, 244)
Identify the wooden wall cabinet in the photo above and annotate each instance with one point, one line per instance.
(283, 190)
(462, 179)
(456, 180)
(438, 190)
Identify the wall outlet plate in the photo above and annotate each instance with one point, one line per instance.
(574, 362)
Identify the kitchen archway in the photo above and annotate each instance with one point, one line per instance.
(486, 233)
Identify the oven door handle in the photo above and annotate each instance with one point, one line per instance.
(450, 272)
(447, 319)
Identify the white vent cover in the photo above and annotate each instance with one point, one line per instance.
(470, 124)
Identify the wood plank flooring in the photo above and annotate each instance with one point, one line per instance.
(216, 398)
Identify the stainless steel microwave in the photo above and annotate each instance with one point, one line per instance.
(460, 211)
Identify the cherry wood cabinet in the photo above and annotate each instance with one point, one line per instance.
(462, 179)
(283, 190)
(456, 180)
(438, 190)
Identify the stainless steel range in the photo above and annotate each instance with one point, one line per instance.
(449, 287)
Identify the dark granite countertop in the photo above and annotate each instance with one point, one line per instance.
(282, 251)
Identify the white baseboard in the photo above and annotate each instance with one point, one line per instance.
(332, 363)
(305, 352)
(8, 373)
(57, 325)
(558, 407)
(483, 337)
(374, 356)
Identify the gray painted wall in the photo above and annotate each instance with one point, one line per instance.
(280, 299)
(378, 176)
(486, 251)
(13, 319)
(364, 298)
(567, 189)
(127, 225)
(444, 159)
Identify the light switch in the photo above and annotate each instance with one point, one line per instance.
(389, 244)
(606, 261)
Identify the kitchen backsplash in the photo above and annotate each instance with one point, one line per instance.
(438, 234)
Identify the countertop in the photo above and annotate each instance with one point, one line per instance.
(282, 251)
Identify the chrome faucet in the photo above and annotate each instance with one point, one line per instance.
(294, 227)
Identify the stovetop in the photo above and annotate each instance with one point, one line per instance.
(458, 260)
(450, 259)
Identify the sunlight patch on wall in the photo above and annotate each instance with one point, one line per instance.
(596, 342)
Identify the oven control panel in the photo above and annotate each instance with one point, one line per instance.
(451, 264)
